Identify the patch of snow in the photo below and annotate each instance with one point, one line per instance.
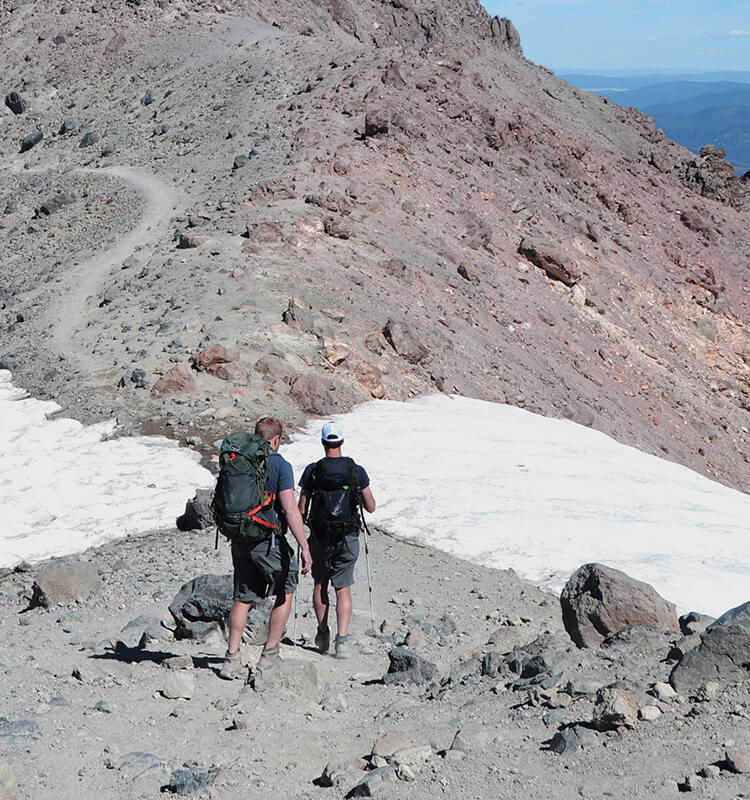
(65, 487)
(507, 488)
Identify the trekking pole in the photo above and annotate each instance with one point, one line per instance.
(367, 562)
(296, 591)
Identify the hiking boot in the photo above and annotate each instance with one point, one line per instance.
(269, 656)
(232, 667)
(343, 649)
(323, 640)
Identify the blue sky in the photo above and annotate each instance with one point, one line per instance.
(571, 35)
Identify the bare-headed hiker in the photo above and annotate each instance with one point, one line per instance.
(332, 491)
(254, 504)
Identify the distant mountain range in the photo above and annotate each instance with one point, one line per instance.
(693, 109)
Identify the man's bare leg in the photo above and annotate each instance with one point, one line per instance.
(343, 610)
(237, 622)
(278, 619)
(322, 606)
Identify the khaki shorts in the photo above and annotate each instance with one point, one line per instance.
(267, 568)
(335, 562)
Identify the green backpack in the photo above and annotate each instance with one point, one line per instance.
(243, 509)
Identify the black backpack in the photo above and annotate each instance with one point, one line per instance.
(243, 509)
(335, 498)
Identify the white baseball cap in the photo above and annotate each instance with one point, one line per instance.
(332, 433)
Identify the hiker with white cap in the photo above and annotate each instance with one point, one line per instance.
(332, 490)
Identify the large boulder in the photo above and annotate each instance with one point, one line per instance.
(68, 582)
(598, 601)
(723, 655)
(203, 604)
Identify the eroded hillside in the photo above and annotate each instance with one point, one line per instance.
(349, 200)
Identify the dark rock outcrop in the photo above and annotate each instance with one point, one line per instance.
(723, 656)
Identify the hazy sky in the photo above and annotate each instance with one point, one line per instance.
(631, 34)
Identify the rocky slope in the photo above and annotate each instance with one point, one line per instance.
(356, 199)
(491, 699)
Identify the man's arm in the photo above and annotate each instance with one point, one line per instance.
(294, 519)
(304, 499)
(368, 501)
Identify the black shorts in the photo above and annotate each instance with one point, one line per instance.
(268, 568)
(335, 562)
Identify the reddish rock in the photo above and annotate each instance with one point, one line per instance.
(276, 368)
(404, 341)
(234, 371)
(178, 379)
(314, 394)
(209, 359)
(551, 258)
(189, 239)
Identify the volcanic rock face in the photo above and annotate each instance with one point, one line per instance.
(456, 219)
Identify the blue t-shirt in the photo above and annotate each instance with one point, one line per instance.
(280, 477)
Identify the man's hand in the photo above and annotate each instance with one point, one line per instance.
(306, 560)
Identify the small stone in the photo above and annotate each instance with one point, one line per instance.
(649, 713)
(709, 771)
(179, 685)
(738, 759)
(88, 139)
(31, 140)
(664, 691)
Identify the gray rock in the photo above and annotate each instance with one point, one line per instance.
(18, 729)
(16, 103)
(285, 678)
(572, 739)
(240, 162)
(179, 685)
(191, 780)
(407, 667)
(373, 782)
(88, 139)
(137, 765)
(30, 140)
(543, 656)
(695, 623)
(66, 582)
(470, 737)
(615, 707)
(55, 203)
(598, 601)
(203, 604)
(198, 514)
(723, 656)
(132, 633)
(8, 786)
(404, 341)
(68, 126)
(147, 98)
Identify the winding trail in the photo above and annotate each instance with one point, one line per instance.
(81, 283)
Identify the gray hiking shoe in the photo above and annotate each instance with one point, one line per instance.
(343, 648)
(232, 667)
(269, 656)
(323, 640)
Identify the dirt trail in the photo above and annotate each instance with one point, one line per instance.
(82, 281)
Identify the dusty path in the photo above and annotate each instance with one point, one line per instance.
(80, 284)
